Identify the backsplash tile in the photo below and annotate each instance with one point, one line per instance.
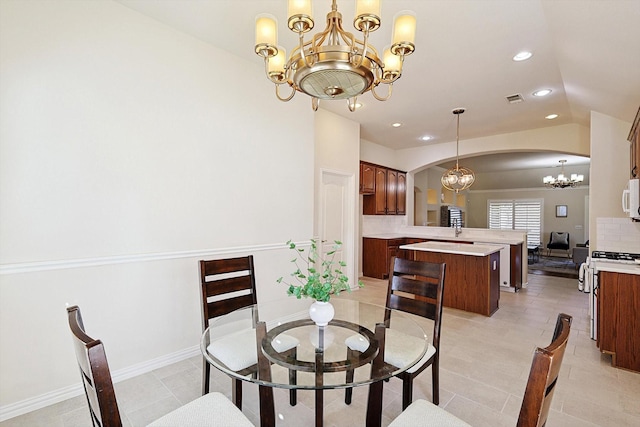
(382, 224)
(618, 235)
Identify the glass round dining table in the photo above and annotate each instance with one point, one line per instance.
(387, 341)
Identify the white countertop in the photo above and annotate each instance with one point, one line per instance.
(616, 267)
(461, 238)
(454, 248)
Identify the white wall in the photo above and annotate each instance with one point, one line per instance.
(609, 172)
(125, 158)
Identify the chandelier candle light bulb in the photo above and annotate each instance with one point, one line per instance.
(334, 64)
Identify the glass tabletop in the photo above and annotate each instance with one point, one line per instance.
(320, 358)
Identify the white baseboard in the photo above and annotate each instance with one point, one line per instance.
(56, 396)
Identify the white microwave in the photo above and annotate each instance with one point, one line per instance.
(631, 199)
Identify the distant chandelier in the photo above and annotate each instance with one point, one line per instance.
(458, 178)
(561, 181)
(334, 64)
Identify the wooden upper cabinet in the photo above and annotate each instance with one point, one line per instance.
(634, 139)
(367, 179)
(401, 194)
(392, 184)
(389, 195)
(380, 195)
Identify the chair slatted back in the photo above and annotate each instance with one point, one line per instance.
(94, 370)
(543, 376)
(232, 283)
(417, 287)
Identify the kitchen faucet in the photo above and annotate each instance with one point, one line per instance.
(457, 227)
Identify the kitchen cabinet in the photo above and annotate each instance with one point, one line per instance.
(634, 139)
(367, 178)
(377, 254)
(389, 192)
(401, 194)
(618, 314)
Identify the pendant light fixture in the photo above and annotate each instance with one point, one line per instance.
(458, 178)
(562, 181)
(334, 64)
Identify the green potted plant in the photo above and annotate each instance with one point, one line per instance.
(317, 278)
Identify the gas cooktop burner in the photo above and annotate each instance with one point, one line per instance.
(615, 256)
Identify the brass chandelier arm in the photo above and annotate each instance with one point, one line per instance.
(287, 98)
(301, 48)
(382, 98)
(351, 104)
(365, 46)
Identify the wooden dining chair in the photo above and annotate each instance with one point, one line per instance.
(213, 409)
(538, 393)
(415, 287)
(227, 285)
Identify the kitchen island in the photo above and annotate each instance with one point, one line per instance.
(472, 276)
(379, 248)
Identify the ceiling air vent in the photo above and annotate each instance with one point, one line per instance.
(514, 99)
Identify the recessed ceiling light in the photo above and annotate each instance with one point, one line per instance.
(396, 125)
(542, 92)
(522, 56)
(551, 116)
(425, 138)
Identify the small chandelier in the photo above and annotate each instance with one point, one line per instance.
(334, 64)
(458, 178)
(561, 181)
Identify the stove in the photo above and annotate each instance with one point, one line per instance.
(621, 257)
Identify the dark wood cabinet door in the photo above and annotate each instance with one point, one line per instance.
(635, 156)
(392, 183)
(401, 194)
(634, 139)
(619, 318)
(367, 179)
(381, 191)
(516, 266)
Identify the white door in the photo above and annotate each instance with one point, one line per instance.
(337, 218)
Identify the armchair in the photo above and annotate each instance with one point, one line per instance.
(579, 255)
(558, 240)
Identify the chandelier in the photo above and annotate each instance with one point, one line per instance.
(561, 181)
(333, 64)
(458, 178)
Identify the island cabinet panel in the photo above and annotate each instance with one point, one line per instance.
(472, 283)
(516, 266)
(619, 318)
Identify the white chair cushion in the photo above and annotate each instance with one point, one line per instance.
(399, 348)
(425, 414)
(212, 409)
(238, 350)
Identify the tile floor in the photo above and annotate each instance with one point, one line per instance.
(484, 366)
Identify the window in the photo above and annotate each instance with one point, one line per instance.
(519, 214)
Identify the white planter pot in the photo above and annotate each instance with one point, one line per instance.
(321, 312)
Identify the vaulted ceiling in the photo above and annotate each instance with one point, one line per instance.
(586, 51)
